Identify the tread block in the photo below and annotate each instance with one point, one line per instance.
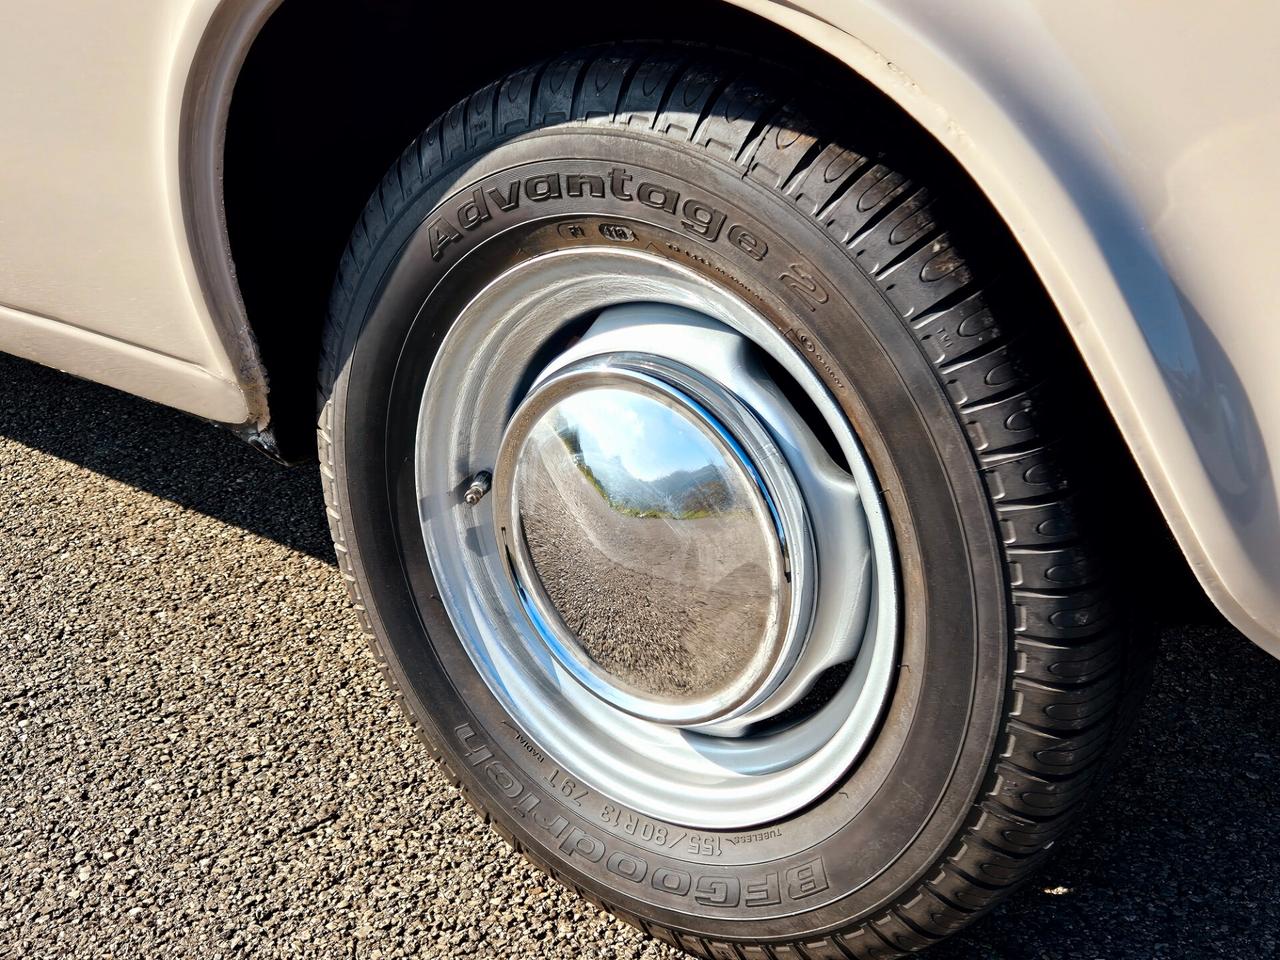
(430, 151)
(861, 943)
(515, 100)
(928, 276)
(453, 131)
(1017, 834)
(1064, 709)
(955, 332)
(556, 88)
(1060, 755)
(1067, 661)
(734, 117)
(814, 186)
(1025, 476)
(1037, 524)
(645, 94)
(1010, 421)
(1035, 797)
(875, 190)
(1082, 613)
(1055, 568)
(969, 899)
(896, 232)
(923, 910)
(721, 950)
(482, 109)
(689, 101)
(898, 934)
(982, 376)
(782, 149)
(602, 87)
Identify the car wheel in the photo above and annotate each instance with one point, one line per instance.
(701, 501)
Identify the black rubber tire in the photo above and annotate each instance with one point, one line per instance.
(1016, 676)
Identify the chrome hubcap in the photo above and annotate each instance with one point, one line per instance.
(662, 556)
(677, 587)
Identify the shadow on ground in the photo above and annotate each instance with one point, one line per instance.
(1180, 858)
(164, 452)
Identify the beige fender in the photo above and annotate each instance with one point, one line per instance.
(96, 273)
(1132, 150)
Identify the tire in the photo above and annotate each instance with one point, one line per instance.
(1012, 673)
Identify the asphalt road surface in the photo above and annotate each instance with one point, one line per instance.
(198, 759)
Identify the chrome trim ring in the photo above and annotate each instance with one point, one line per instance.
(675, 538)
(758, 763)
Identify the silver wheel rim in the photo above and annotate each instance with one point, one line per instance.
(820, 595)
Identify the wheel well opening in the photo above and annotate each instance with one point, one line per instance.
(331, 92)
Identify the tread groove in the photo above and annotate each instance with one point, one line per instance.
(877, 217)
(628, 77)
(940, 307)
(673, 81)
(910, 250)
(806, 161)
(853, 176)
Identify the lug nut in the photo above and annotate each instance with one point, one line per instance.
(480, 484)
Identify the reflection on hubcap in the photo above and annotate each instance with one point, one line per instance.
(644, 542)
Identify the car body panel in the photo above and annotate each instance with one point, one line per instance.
(1130, 148)
(96, 275)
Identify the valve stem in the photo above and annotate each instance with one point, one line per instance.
(480, 485)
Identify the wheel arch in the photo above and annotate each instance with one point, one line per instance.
(1018, 110)
(1066, 206)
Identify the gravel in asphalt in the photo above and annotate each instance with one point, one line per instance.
(199, 759)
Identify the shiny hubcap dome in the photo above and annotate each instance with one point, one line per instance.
(645, 541)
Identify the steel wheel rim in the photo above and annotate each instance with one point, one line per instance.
(737, 770)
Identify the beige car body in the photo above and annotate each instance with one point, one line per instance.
(1131, 148)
